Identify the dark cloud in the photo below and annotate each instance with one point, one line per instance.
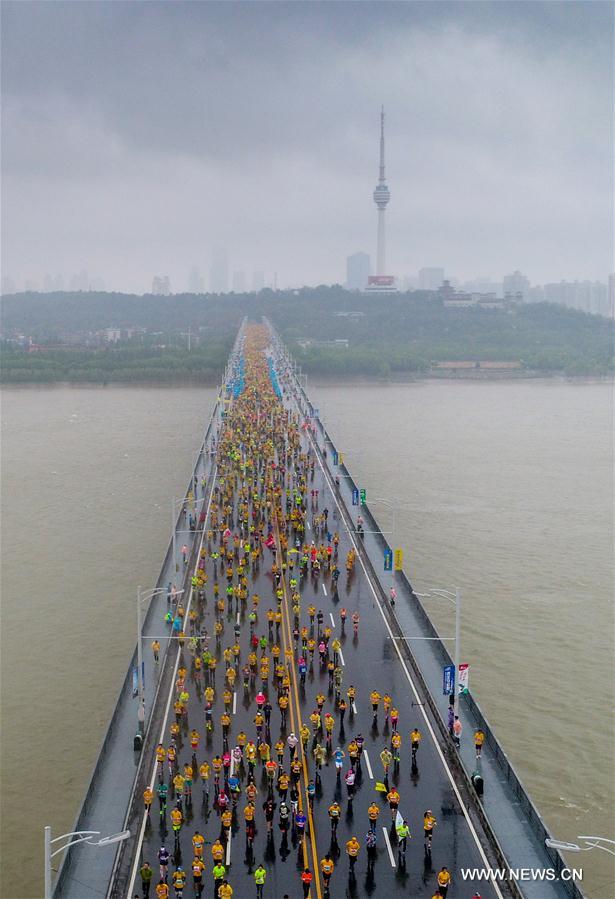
(168, 127)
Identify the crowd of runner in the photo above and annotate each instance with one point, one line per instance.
(218, 779)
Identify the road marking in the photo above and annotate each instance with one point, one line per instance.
(309, 525)
(234, 702)
(324, 590)
(369, 767)
(353, 707)
(330, 613)
(340, 654)
(287, 638)
(238, 619)
(133, 874)
(388, 842)
(230, 830)
(395, 643)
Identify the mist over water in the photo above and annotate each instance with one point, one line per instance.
(505, 489)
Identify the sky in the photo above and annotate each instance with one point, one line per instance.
(137, 137)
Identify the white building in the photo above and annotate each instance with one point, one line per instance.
(357, 271)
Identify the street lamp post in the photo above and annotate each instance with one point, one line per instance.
(592, 843)
(141, 598)
(456, 599)
(83, 836)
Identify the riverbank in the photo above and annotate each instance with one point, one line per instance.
(327, 380)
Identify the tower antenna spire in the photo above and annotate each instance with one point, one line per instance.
(382, 196)
(381, 178)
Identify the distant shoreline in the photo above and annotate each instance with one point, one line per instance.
(328, 380)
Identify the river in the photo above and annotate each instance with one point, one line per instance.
(504, 489)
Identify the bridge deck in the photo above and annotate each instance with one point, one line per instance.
(373, 660)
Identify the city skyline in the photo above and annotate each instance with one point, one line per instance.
(518, 175)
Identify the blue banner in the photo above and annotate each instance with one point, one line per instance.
(335, 458)
(388, 560)
(355, 497)
(448, 680)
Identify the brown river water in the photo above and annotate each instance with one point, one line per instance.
(504, 489)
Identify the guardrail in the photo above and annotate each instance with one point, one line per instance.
(535, 820)
(65, 864)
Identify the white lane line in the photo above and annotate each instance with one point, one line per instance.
(238, 618)
(388, 842)
(228, 845)
(309, 525)
(331, 616)
(354, 708)
(324, 590)
(234, 703)
(135, 866)
(341, 655)
(395, 643)
(369, 767)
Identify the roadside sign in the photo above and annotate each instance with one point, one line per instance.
(388, 560)
(316, 412)
(336, 459)
(464, 678)
(355, 497)
(399, 559)
(363, 495)
(341, 458)
(448, 680)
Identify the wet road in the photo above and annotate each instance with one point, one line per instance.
(369, 662)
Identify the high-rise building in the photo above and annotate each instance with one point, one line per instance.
(8, 285)
(587, 296)
(381, 281)
(239, 282)
(195, 281)
(161, 286)
(515, 284)
(357, 271)
(218, 273)
(258, 281)
(430, 278)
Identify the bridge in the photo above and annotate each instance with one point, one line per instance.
(271, 512)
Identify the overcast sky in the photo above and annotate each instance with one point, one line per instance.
(137, 136)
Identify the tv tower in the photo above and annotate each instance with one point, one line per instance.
(382, 195)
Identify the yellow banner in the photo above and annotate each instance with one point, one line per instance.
(398, 559)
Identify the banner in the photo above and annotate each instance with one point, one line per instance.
(448, 680)
(380, 787)
(336, 460)
(388, 560)
(363, 495)
(355, 497)
(399, 559)
(464, 678)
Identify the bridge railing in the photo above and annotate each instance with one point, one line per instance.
(125, 692)
(534, 818)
